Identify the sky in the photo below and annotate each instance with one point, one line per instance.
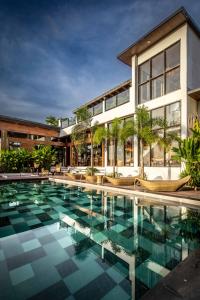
(57, 54)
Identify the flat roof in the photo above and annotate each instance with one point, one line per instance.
(168, 25)
(26, 122)
(195, 93)
(114, 91)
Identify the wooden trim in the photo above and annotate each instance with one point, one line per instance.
(34, 142)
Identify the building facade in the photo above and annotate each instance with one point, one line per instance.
(165, 67)
(18, 133)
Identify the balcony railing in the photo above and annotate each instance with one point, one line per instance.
(67, 122)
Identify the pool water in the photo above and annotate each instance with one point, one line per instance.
(65, 242)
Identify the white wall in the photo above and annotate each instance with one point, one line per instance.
(193, 60)
(181, 94)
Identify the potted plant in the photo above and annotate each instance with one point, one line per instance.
(90, 175)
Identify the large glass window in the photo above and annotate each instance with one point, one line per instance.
(173, 56)
(110, 103)
(144, 72)
(128, 152)
(173, 80)
(98, 108)
(173, 114)
(123, 97)
(169, 152)
(124, 151)
(157, 87)
(144, 92)
(155, 154)
(160, 74)
(158, 65)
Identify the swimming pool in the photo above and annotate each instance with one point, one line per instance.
(65, 242)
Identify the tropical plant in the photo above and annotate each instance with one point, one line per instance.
(17, 160)
(188, 152)
(113, 135)
(83, 132)
(44, 157)
(51, 120)
(91, 171)
(143, 127)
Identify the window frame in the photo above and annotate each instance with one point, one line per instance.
(165, 129)
(116, 100)
(164, 74)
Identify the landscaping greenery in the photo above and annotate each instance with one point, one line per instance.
(21, 160)
(51, 120)
(44, 157)
(18, 160)
(188, 153)
(113, 134)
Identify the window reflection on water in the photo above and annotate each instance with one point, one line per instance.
(146, 237)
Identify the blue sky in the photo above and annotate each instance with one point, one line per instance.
(57, 54)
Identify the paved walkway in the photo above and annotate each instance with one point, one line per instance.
(181, 283)
(184, 193)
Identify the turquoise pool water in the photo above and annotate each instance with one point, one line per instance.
(65, 242)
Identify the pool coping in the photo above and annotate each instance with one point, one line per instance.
(128, 192)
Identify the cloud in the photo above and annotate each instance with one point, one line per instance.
(59, 54)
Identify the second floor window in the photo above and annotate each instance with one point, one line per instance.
(159, 75)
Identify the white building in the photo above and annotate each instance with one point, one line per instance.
(165, 78)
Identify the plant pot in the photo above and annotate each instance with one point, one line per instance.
(91, 179)
(121, 181)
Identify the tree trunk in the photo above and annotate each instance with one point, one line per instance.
(141, 159)
(92, 156)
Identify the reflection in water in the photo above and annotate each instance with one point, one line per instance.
(149, 237)
(135, 240)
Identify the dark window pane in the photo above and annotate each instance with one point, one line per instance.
(158, 114)
(158, 65)
(110, 150)
(144, 92)
(72, 121)
(120, 155)
(98, 109)
(146, 155)
(173, 114)
(158, 87)
(90, 109)
(128, 150)
(173, 56)
(144, 72)
(157, 152)
(110, 103)
(173, 80)
(97, 156)
(170, 154)
(123, 97)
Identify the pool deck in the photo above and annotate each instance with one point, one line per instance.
(182, 197)
(180, 283)
(9, 178)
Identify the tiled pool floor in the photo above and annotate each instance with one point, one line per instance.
(59, 263)
(63, 242)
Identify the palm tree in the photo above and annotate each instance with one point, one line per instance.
(80, 132)
(142, 126)
(113, 134)
(51, 120)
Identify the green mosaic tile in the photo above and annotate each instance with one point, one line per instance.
(21, 274)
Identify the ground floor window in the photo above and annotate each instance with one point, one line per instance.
(156, 155)
(82, 156)
(124, 151)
